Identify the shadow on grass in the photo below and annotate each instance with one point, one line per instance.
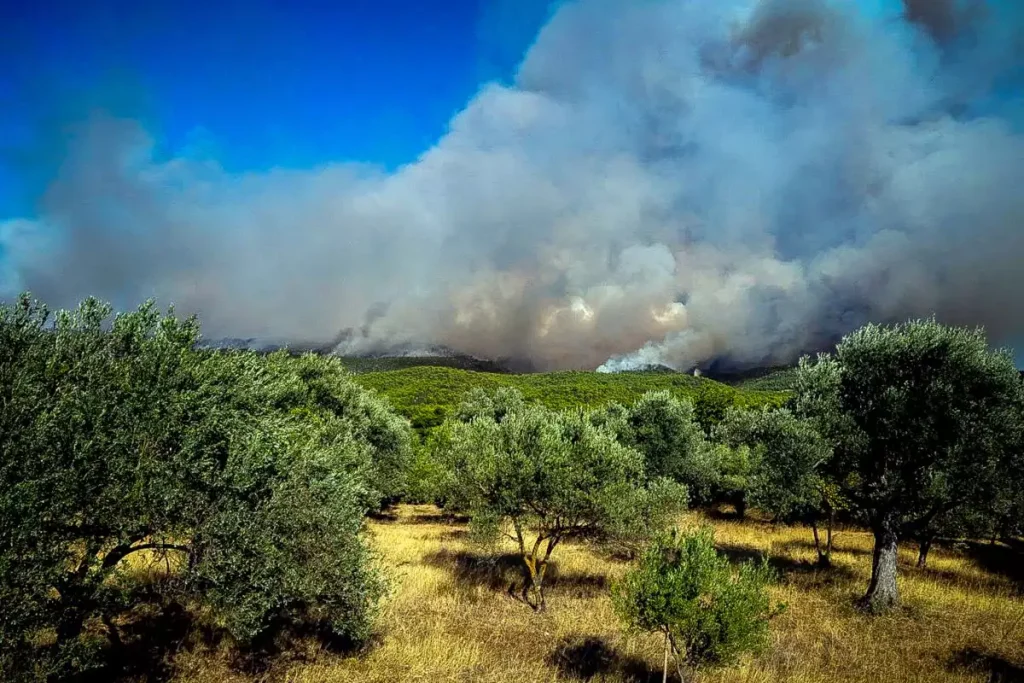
(723, 512)
(506, 572)
(987, 584)
(153, 635)
(785, 566)
(454, 535)
(1006, 559)
(149, 640)
(808, 545)
(390, 517)
(584, 658)
(998, 668)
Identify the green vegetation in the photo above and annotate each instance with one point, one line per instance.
(778, 379)
(708, 613)
(786, 471)
(142, 475)
(364, 364)
(247, 476)
(428, 395)
(925, 420)
(540, 478)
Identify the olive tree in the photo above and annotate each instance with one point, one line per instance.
(665, 431)
(789, 476)
(921, 417)
(118, 437)
(320, 389)
(539, 477)
(708, 613)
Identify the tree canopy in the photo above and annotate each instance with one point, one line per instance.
(250, 474)
(539, 477)
(923, 419)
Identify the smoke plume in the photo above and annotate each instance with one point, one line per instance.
(666, 181)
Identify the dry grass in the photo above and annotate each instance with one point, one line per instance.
(451, 619)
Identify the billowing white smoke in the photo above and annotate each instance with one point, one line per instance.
(666, 181)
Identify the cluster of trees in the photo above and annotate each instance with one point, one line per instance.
(428, 395)
(913, 430)
(248, 477)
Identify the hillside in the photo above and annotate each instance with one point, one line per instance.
(364, 364)
(427, 394)
(776, 379)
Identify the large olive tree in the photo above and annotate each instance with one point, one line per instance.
(118, 437)
(539, 477)
(665, 430)
(923, 418)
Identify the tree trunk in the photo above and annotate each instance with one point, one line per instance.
(70, 625)
(536, 568)
(922, 553)
(824, 556)
(882, 593)
(828, 543)
(741, 506)
(664, 667)
(677, 656)
(539, 583)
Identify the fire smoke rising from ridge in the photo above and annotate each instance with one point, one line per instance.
(666, 182)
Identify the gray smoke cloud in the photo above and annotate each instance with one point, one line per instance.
(671, 182)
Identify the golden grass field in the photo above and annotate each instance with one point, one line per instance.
(450, 618)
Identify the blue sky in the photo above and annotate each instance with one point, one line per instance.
(257, 84)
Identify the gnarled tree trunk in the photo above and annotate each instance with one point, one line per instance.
(536, 567)
(824, 555)
(882, 593)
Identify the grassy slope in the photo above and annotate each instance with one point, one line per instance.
(427, 394)
(450, 618)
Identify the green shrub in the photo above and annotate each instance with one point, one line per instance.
(709, 613)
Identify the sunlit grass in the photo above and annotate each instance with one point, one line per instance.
(451, 618)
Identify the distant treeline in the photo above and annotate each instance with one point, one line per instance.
(428, 395)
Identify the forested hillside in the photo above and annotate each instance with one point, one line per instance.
(426, 395)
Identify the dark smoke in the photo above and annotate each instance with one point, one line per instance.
(673, 182)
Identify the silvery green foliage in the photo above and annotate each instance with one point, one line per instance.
(923, 418)
(250, 474)
(539, 477)
(788, 458)
(480, 403)
(708, 613)
(665, 430)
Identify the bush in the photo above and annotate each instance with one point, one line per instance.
(708, 613)
(248, 474)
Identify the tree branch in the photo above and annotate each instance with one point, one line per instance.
(123, 551)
